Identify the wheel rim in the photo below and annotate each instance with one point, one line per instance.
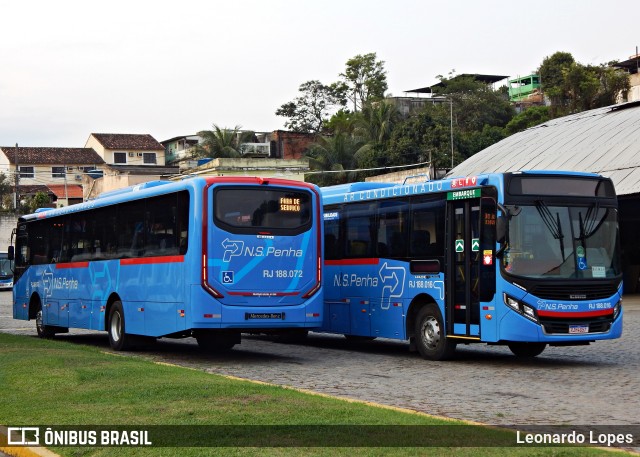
(115, 326)
(39, 325)
(431, 333)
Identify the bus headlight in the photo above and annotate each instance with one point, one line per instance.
(616, 309)
(521, 308)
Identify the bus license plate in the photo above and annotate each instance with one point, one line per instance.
(250, 316)
(578, 329)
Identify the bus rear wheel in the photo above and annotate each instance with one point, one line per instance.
(527, 349)
(119, 340)
(44, 331)
(431, 342)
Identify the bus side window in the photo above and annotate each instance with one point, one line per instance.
(360, 230)
(420, 243)
(397, 245)
(427, 226)
(332, 239)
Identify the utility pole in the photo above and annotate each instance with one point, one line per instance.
(17, 181)
(66, 193)
(451, 129)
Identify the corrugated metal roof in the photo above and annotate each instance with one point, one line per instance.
(604, 140)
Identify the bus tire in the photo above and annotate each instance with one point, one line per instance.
(44, 331)
(119, 340)
(527, 350)
(430, 338)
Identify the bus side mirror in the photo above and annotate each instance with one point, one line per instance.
(502, 225)
(10, 253)
(501, 228)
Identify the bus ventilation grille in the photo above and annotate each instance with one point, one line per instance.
(574, 292)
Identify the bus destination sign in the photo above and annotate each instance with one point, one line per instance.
(463, 194)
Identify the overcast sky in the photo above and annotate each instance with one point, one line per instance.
(171, 68)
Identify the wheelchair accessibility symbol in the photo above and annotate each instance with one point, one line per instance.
(227, 277)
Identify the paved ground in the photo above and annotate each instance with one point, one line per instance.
(593, 385)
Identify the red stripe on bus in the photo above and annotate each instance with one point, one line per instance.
(367, 261)
(600, 312)
(152, 260)
(60, 266)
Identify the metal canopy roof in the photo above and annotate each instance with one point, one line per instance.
(604, 140)
(487, 79)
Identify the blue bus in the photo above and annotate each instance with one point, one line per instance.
(6, 271)
(208, 258)
(525, 259)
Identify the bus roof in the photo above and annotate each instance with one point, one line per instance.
(153, 188)
(363, 191)
(354, 187)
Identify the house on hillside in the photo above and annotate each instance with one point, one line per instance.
(58, 172)
(130, 159)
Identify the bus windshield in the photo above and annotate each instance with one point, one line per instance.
(252, 209)
(563, 242)
(5, 267)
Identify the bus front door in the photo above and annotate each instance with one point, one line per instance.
(462, 306)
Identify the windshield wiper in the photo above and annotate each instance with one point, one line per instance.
(553, 224)
(590, 224)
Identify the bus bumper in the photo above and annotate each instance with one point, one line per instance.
(211, 314)
(515, 327)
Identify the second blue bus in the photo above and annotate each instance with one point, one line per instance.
(524, 259)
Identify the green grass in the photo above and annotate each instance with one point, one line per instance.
(59, 383)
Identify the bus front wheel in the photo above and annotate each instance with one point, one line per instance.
(118, 338)
(44, 331)
(431, 342)
(527, 349)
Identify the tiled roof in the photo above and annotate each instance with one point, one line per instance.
(128, 141)
(56, 156)
(68, 191)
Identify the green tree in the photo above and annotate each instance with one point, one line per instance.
(222, 142)
(334, 155)
(477, 112)
(422, 137)
(309, 112)
(572, 87)
(363, 80)
(581, 86)
(344, 121)
(614, 82)
(373, 128)
(39, 200)
(6, 188)
(529, 117)
(552, 79)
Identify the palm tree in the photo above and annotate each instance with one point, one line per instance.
(222, 142)
(374, 129)
(377, 122)
(334, 154)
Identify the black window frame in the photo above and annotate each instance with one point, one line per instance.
(58, 172)
(262, 229)
(120, 154)
(24, 173)
(101, 233)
